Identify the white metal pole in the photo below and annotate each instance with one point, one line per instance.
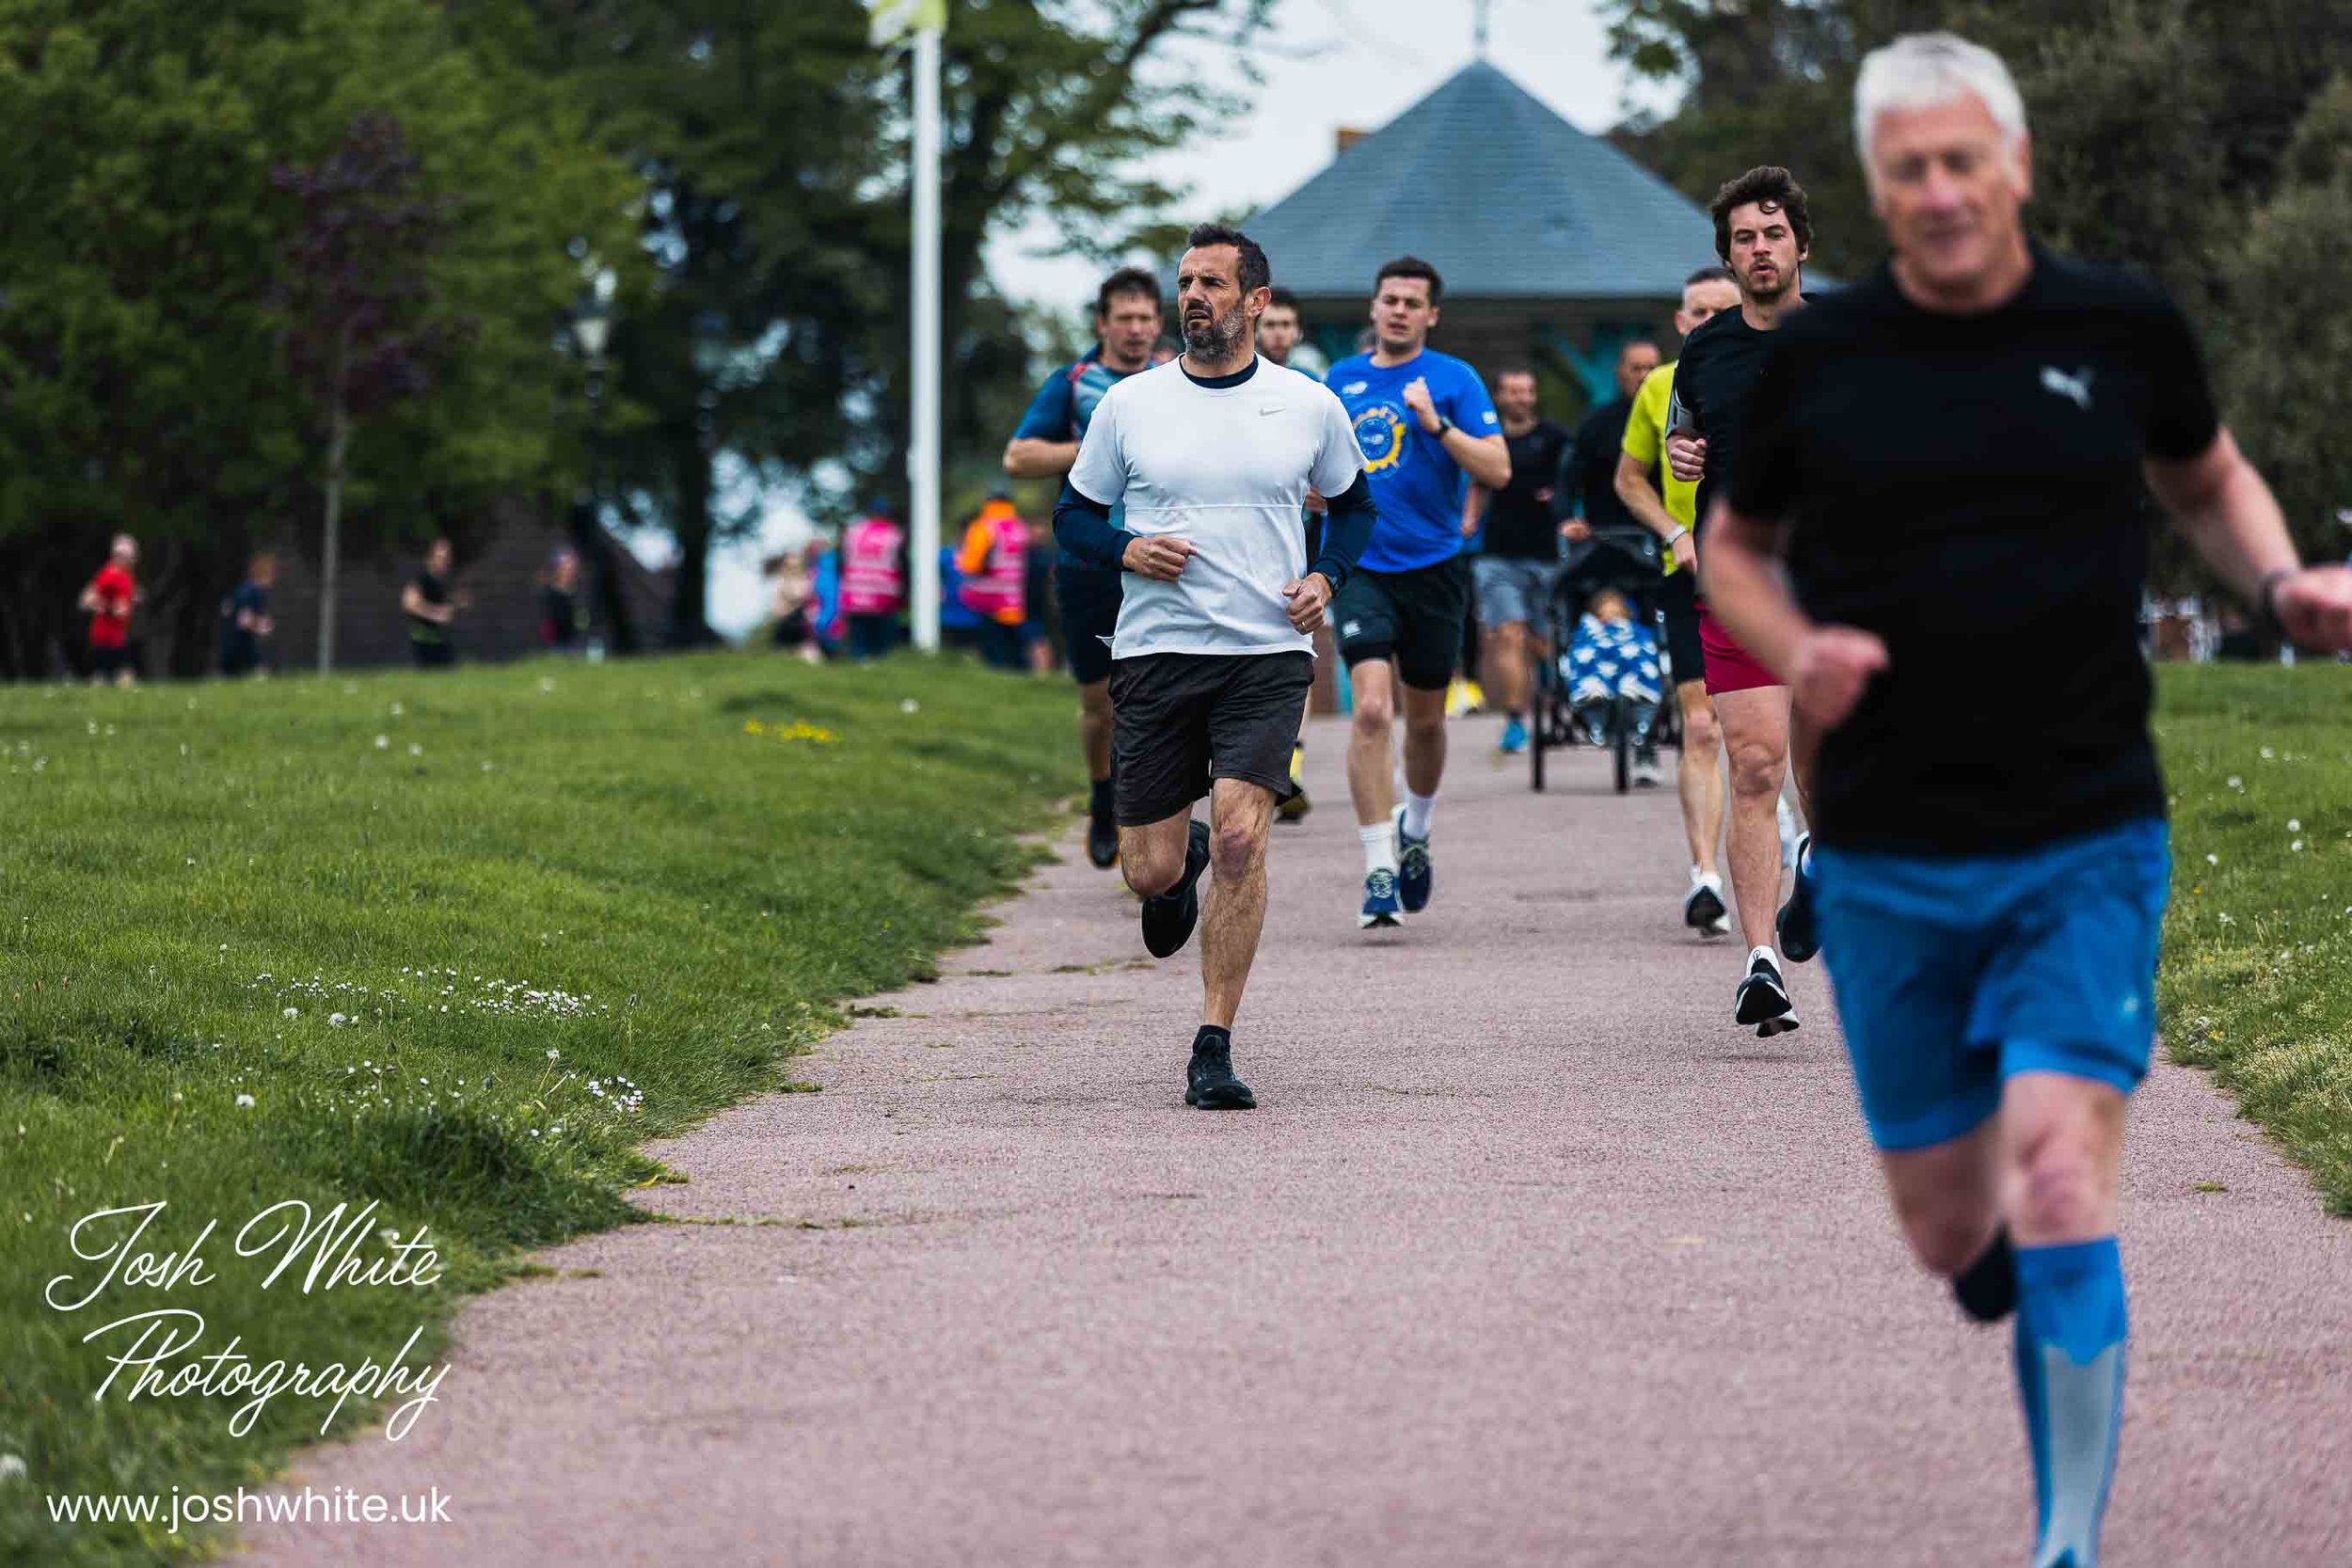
(923, 446)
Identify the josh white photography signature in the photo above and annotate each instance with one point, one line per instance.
(156, 1348)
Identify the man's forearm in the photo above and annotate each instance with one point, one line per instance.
(1486, 461)
(2224, 509)
(1346, 530)
(1082, 527)
(1640, 497)
(1031, 458)
(1740, 574)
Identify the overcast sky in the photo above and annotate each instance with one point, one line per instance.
(1328, 63)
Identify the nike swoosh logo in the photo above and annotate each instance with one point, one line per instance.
(1277, 409)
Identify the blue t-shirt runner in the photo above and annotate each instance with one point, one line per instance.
(1416, 484)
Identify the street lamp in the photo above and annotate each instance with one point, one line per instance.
(592, 328)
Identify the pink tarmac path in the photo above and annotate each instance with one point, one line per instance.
(1530, 1257)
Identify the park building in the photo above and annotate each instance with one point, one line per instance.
(1556, 248)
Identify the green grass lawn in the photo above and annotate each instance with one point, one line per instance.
(455, 944)
(2257, 978)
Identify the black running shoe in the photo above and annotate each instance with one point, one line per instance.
(1169, 917)
(1763, 1000)
(1103, 842)
(1704, 912)
(1209, 1082)
(1799, 930)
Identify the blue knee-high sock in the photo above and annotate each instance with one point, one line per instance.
(2071, 1331)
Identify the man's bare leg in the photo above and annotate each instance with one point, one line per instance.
(1234, 913)
(1094, 728)
(1370, 756)
(1152, 857)
(1425, 739)
(1700, 777)
(1756, 735)
(1506, 666)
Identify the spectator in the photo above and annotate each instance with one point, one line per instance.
(958, 624)
(994, 564)
(245, 621)
(794, 605)
(563, 616)
(110, 598)
(873, 581)
(430, 609)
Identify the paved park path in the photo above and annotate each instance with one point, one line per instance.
(1530, 1257)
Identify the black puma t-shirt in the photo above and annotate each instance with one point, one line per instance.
(1970, 489)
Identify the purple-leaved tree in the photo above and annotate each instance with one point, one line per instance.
(362, 333)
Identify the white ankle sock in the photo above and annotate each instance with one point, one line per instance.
(1757, 953)
(1419, 809)
(1380, 848)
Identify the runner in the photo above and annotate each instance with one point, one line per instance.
(1521, 561)
(1424, 423)
(1992, 915)
(1278, 342)
(1668, 507)
(1763, 234)
(1213, 458)
(1588, 478)
(1126, 329)
(430, 609)
(109, 598)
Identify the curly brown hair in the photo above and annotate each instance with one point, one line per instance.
(1771, 187)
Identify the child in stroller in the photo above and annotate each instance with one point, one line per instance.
(1611, 656)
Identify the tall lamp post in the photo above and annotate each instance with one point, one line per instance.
(592, 329)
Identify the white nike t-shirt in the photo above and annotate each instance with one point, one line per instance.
(1227, 468)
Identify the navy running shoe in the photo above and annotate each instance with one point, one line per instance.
(1381, 904)
(1413, 875)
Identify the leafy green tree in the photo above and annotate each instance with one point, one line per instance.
(141, 384)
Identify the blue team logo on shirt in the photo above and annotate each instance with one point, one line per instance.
(1380, 431)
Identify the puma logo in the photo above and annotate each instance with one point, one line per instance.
(2076, 387)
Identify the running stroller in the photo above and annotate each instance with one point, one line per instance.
(1625, 559)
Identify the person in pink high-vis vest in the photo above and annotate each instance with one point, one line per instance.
(994, 562)
(873, 582)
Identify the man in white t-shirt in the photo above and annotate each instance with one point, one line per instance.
(1210, 457)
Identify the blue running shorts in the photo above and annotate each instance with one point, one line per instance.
(1954, 973)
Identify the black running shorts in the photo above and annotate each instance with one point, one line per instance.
(1180, 721)
(1415, 617)
(1678, 599)
(1090, 614)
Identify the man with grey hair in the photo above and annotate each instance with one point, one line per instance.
(1991, 914)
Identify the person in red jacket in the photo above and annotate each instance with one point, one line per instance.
(110, 598)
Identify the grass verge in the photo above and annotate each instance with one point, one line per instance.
(2256, 984)
(454, 945)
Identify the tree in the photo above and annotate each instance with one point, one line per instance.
(2288, 334)
(141, 384)
(361, 332)
(772, 141)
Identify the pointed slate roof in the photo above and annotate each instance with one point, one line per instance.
(1504, 197)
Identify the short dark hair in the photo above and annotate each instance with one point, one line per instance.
(1284, 298)
(1256, 273)
(1709, 275)
(1768, 185)
(1527, 370)
(1126, 281)
(1412, 266)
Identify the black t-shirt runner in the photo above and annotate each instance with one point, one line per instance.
(1969, 488)
(1713, 380)
(433, 591)
(1593, 467)
(1519, 526)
